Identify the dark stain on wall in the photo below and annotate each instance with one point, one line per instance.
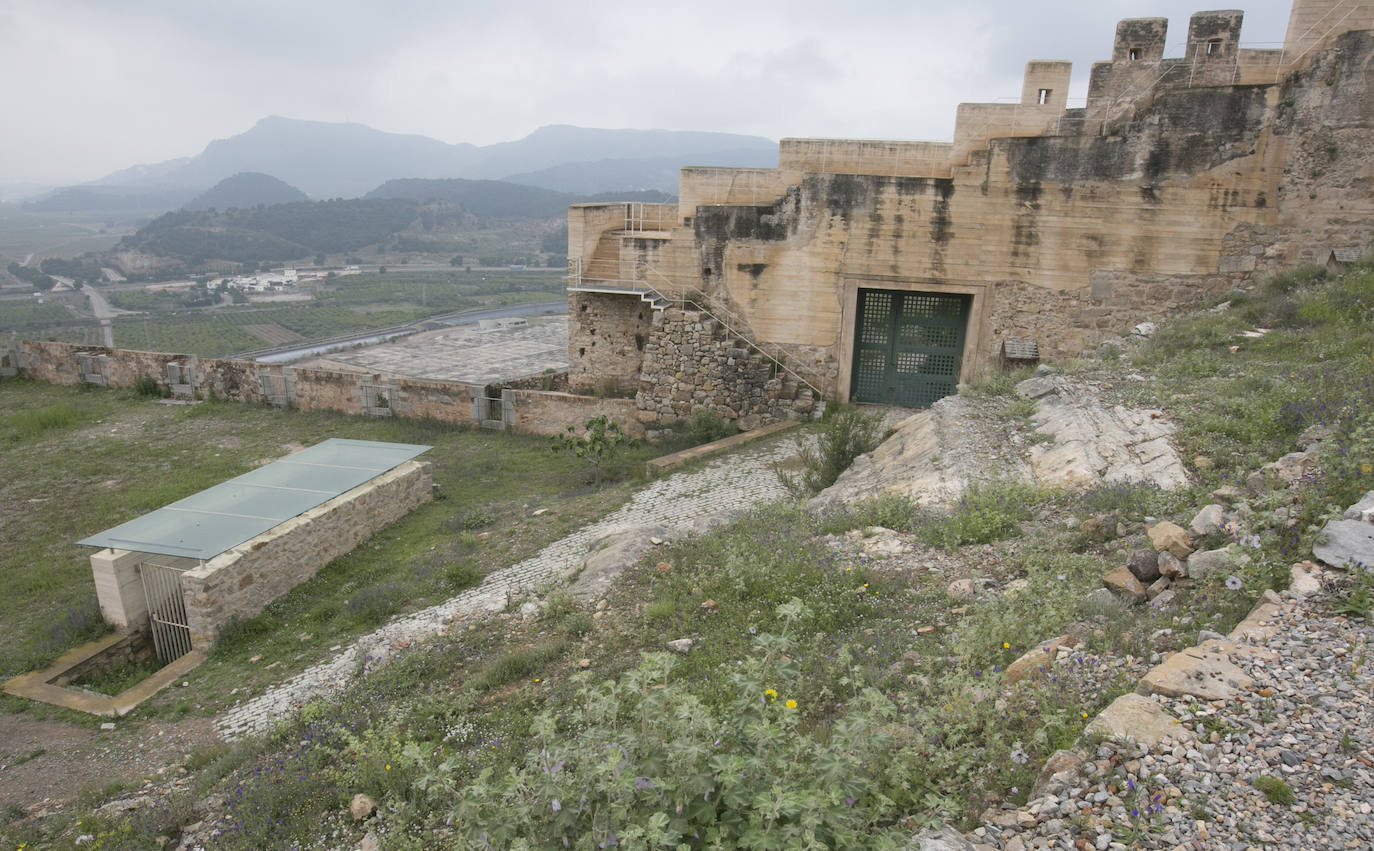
(941, 225)
(754, 269)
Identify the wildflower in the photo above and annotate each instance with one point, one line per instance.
(791, 704)
(1234, 583)
(1019, 756)
(1006, 646)
(1083, 714)
(1367, 468)
(643, 783)
(555, 805)
(771, 694)
(388, 768)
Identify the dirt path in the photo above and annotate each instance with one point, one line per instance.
(45, 764)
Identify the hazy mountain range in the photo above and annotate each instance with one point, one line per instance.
(328, 160)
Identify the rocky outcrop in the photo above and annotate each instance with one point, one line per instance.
(1078, 441)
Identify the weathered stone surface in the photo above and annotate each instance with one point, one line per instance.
(1208, 521)
(361, 806)
(1305, 579)
(963, 589)
(930, 457)
(609, 555)
(1034, 388)
(1171, 537)
(1228, 494)
(1135, 718)
(1092, 443)
(1207, 563)
(1260, 624)
(1362, 510)
(1198, 671)
(1059, 772)
(1034, 663)
(1124, 584)
(1170, 566)
(680, 645)
(942, 838)
(1345, 544)
(1159, 586)
(1290, 468)
(1144, 564)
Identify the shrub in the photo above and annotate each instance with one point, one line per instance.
(706, 426)
(847, 434)
(1275, 790)
(651, 765)
(601, 441)
(146, 385)
(987, 512)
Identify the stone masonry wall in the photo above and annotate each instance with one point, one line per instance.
(547, 412)
(691, 362)
(606, 338)
(536, 411)
(242, 581)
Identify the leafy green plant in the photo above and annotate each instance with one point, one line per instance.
(706, 426)
(601, 440)
(847, 434)
(651, 765)
(1275, 790)
(146, 385)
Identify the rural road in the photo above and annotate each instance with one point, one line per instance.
(105, 312)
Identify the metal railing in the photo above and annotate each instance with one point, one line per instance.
(581, 277)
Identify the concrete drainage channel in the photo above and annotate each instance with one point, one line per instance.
(680, 503)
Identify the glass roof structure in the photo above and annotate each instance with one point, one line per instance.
(220, 518)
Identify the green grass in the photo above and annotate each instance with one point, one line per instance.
(79, 461)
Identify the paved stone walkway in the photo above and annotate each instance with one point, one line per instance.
(734, 482)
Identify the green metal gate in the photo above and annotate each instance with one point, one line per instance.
(907, 346)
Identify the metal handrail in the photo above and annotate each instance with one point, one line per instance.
(642, 288)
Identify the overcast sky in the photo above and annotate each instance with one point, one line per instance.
(91, 86)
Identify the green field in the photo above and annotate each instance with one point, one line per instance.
(56, 234)
(343, 305)
(81, 460)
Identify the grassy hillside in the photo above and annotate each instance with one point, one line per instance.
(827, 698)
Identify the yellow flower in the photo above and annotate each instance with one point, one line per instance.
(1366, 468)
(770, 694)
(1084, 714)
(388, 768)
(1006, 646)
(791, 704)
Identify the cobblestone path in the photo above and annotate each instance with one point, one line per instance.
(733, 482)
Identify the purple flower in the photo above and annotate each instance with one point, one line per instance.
(1234, 583)
(1019, 756)
(642, 783)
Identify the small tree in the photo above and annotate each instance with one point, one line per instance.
(602, 439)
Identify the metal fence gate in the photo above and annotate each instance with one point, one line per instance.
(166, 610)
(908, 346)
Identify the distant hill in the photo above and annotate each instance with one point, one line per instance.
(110, 199)
(655, 173)
(488, 199)
(329, 160)
(246, 189)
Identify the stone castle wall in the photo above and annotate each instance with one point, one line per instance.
(1181, 179)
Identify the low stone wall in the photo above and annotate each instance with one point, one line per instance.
(546, 412)
(242, 581)
(535, 411)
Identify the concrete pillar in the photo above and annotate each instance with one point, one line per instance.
(119, 589)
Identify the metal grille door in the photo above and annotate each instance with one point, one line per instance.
(908, 346)
(166, 611)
